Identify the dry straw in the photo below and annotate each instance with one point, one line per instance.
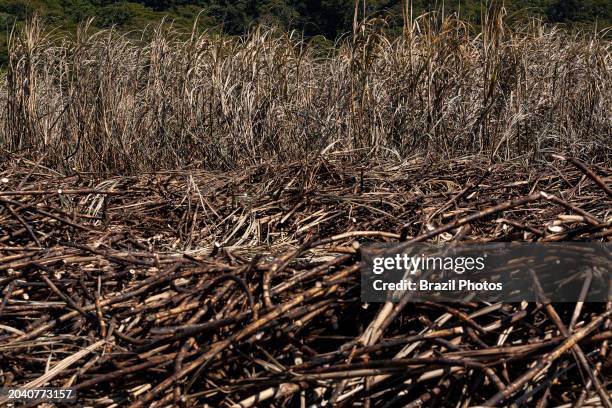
(102, 101)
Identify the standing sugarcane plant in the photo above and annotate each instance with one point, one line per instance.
(407, 17)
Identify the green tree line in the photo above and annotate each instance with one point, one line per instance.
(328, 18)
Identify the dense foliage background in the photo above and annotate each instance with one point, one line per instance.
(328, 18)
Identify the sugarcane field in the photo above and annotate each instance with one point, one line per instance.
(198, 219)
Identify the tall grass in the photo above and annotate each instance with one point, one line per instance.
(101, 101)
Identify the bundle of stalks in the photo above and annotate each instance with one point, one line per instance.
(242, 289)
